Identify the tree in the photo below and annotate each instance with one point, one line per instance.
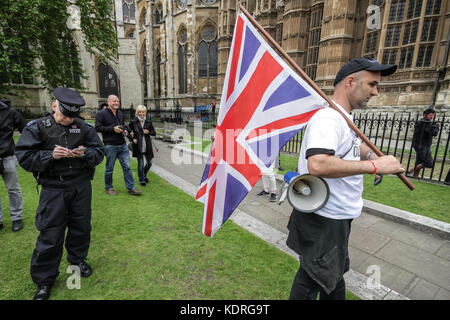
(37, 40)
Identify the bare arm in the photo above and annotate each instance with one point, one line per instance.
(329, 166)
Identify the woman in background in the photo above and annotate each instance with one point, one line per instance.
(141, 129)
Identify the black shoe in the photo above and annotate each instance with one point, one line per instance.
(143, 184)
(146, 180)
(1, 226)
(43, 293)
(263, 193)
(273, 197)
(378, 179)
(85, 269)
(17, 225)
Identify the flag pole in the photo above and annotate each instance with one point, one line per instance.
(321, 93)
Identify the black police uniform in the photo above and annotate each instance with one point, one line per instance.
(65, 199)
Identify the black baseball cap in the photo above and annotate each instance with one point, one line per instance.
(69, 100)
(369, 64)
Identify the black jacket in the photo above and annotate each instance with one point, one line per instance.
(105, 121)
(424, 131)
(34, 148)
(137, 132)
(10, 119)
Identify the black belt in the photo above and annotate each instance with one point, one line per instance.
(60, 178)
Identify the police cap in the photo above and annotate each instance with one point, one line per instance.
(69, 100)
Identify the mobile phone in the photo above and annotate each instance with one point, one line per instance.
(79, 149)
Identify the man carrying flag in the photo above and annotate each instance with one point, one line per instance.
(330, 149)
(264, 104)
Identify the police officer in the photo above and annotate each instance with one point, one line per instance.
(62, 151)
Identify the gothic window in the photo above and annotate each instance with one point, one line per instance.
(144, 20)
(373, 35)
(314, 39)
(403, 33)
(414, 9)
(433, 7)
(202, 59)
(406, 55)
(393, 36)
(182, 4)
(107, 80)
(209, 1)
(429, 29)
(397, 10)
(428, 34)
(424, 56)
(128, 10)
(389, 56)
(158, 15)
(158, 74)
(182, 61)
(371, 44)
(207, 53)
(144, 71)
(410, 33)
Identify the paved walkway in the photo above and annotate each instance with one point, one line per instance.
(409, 254)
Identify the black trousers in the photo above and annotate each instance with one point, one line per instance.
(423, 156)
(305, 288)
(61, 205)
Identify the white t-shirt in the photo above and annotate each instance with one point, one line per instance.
(328, 133)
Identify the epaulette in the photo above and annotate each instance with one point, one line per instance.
(31, 123)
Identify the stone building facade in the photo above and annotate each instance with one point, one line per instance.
(175, 52)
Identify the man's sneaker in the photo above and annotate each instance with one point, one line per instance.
(135, 192)
(273, 197)
(17, 225)
(263, 193)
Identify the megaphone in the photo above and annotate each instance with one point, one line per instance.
(305, 193)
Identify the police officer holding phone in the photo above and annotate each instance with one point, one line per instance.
(62, 151)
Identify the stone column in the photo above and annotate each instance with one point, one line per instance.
(336, 40)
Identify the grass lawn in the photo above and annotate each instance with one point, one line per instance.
(149, 247)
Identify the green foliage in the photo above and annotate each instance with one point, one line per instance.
(36, 41)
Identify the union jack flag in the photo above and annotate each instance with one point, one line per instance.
(264, 104)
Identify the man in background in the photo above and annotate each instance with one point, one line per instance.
(110, 123)
(424, 131)
(10, 120)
